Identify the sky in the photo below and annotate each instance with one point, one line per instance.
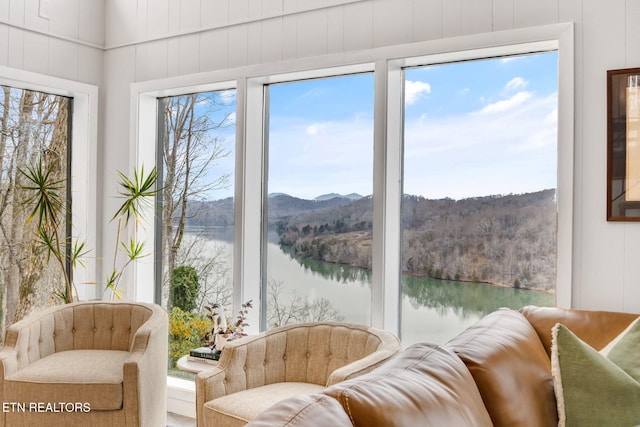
(471, 129)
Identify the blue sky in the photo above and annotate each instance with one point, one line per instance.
(481, 127)
(321, 136)
(471, 129)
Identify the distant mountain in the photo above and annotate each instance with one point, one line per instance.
(283, 205)
(352, 196)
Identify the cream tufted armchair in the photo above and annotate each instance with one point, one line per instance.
(86, 364)
(259, 371)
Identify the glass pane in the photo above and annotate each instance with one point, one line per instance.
(479, 204)
(320, 180)
(35, 137)
(198, 158)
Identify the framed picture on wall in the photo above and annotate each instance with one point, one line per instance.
(623, 145)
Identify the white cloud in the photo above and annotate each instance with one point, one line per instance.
(506, 59)
(506, 104)
(316, 129)
(516, 83)
(415, 90)
(307, 159)
(228, 95)
(231, 119)
(465, 155)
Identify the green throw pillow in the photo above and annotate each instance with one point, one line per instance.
(591, 389)
(623, 350)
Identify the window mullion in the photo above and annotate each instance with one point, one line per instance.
(248, 197)
(387, 196)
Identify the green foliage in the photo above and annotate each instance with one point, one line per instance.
(185, 333)
(185, 286)
(47, 204)
(48, 208)
(137, 193)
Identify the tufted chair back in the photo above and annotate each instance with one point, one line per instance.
(82, 325)
(308, 353)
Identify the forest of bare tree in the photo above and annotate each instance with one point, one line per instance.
(34, 129)
(507, 240)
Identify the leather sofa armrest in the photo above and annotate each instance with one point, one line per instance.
(596, 328)
(361, 366)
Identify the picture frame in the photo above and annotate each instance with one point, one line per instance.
(623, 144)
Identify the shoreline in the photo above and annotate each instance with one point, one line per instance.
(421, 276)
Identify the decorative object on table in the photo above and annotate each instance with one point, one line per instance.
(204, 354)
(223, 330)
(623, 145)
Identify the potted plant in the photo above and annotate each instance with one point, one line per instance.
(48, 208)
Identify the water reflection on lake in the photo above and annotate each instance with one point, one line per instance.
(436, 310)
(432, 310)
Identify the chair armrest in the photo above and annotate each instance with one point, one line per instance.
(210, 384)
(8, 366)
(28, 340)
(8, 362)
(229, 375)
(145, 373)
(361, 366)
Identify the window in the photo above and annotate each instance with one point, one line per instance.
(35, 130)
(349, 259)
(479, 205)
(319, 209)
(196, 217)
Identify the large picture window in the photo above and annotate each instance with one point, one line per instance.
(319, 209)
(196, 214)
(399, 188)
(480, 177)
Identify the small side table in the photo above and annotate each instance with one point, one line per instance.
(187, 365)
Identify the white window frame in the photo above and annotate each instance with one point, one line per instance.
(387, 63)
(84, 180)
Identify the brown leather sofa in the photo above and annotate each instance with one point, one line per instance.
(497, 372)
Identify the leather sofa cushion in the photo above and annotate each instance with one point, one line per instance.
(84, 376)
(596, 328)
(511, 369)
(426, 385)
(237, 409)
(315, 410)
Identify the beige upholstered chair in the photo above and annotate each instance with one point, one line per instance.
(259, 371)
(93, 363)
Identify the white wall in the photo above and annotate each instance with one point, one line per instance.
(63, 40)
(152, 39)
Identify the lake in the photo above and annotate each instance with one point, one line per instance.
(432, 310)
